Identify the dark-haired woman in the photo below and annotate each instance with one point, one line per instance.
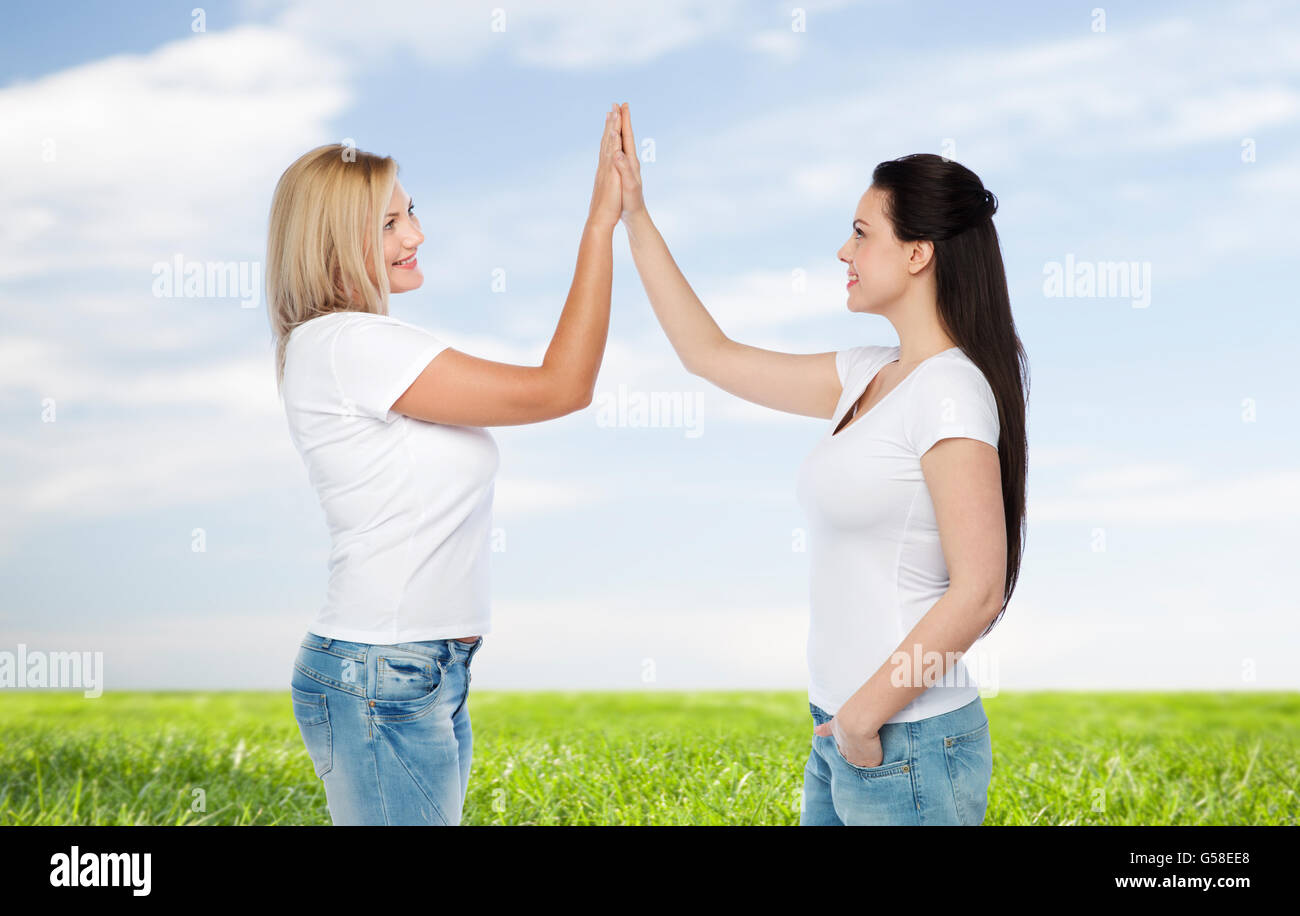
(914, 493)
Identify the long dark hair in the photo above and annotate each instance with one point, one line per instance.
(928, 197)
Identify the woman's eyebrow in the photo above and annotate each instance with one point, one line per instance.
(862, 221)
(409, 201)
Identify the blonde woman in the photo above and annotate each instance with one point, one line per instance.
(915, 491)
(389, 422)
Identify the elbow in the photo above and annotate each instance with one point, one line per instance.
(991, 606)
(575, 400)
(694, 364)
(702, 360)
(583, 400)
(983, 601)
(693, 367)
(560, 393)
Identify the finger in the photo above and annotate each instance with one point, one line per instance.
(625, 127)
(605, 137)
(618, 130)
(611, 139)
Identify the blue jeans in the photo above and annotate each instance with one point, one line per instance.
(387, 727)
(934, 771)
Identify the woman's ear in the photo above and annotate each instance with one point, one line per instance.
(919, 254)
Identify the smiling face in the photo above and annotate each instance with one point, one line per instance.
(879, 265)
(402, 236)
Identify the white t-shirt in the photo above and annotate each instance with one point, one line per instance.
(408, 503)
(875, 559)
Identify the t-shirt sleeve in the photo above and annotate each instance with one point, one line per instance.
(376, 358)
(848, 362)
(951, 399)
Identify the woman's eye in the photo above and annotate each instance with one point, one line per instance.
(858, 233)
(388, 225)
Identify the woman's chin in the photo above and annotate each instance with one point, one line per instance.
(405, 284)
(859, 301)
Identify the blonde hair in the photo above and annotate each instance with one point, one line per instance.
(325, 231)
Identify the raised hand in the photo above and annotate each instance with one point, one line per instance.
(606, 196)
(629, 167)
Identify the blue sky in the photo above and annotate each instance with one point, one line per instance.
(1166, 433)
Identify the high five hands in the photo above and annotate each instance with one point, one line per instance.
(617, 192)
(629, 167)
(607, 195)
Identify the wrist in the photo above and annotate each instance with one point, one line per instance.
(857, 720)
(598, 227)
(637, 221)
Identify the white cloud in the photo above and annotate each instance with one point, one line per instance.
(1136, 476)
(157, 153)
(1148, 89)
(759, 299)
(1184, 639)
(782, 45)
(1181, 639)
(1163, 496)
(576, 35)
(1051, 456)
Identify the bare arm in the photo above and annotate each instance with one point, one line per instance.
(806, 384)
(965, 482)
(463, 390)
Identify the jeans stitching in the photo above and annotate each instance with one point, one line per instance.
(326, 680)
(429, 697)
(328, 733)
(432, 803)
(950, 743)
(872, 772)
(318, 645)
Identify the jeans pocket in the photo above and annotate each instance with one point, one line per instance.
(311, 712)
(894, 758)
(970, 770)
(406, 684)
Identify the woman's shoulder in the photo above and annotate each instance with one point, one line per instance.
(318, 324)
(854, 360)
(338, 318)
(951, 372)
(953, 360)
(331, 328)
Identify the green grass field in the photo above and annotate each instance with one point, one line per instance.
(651, 757)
